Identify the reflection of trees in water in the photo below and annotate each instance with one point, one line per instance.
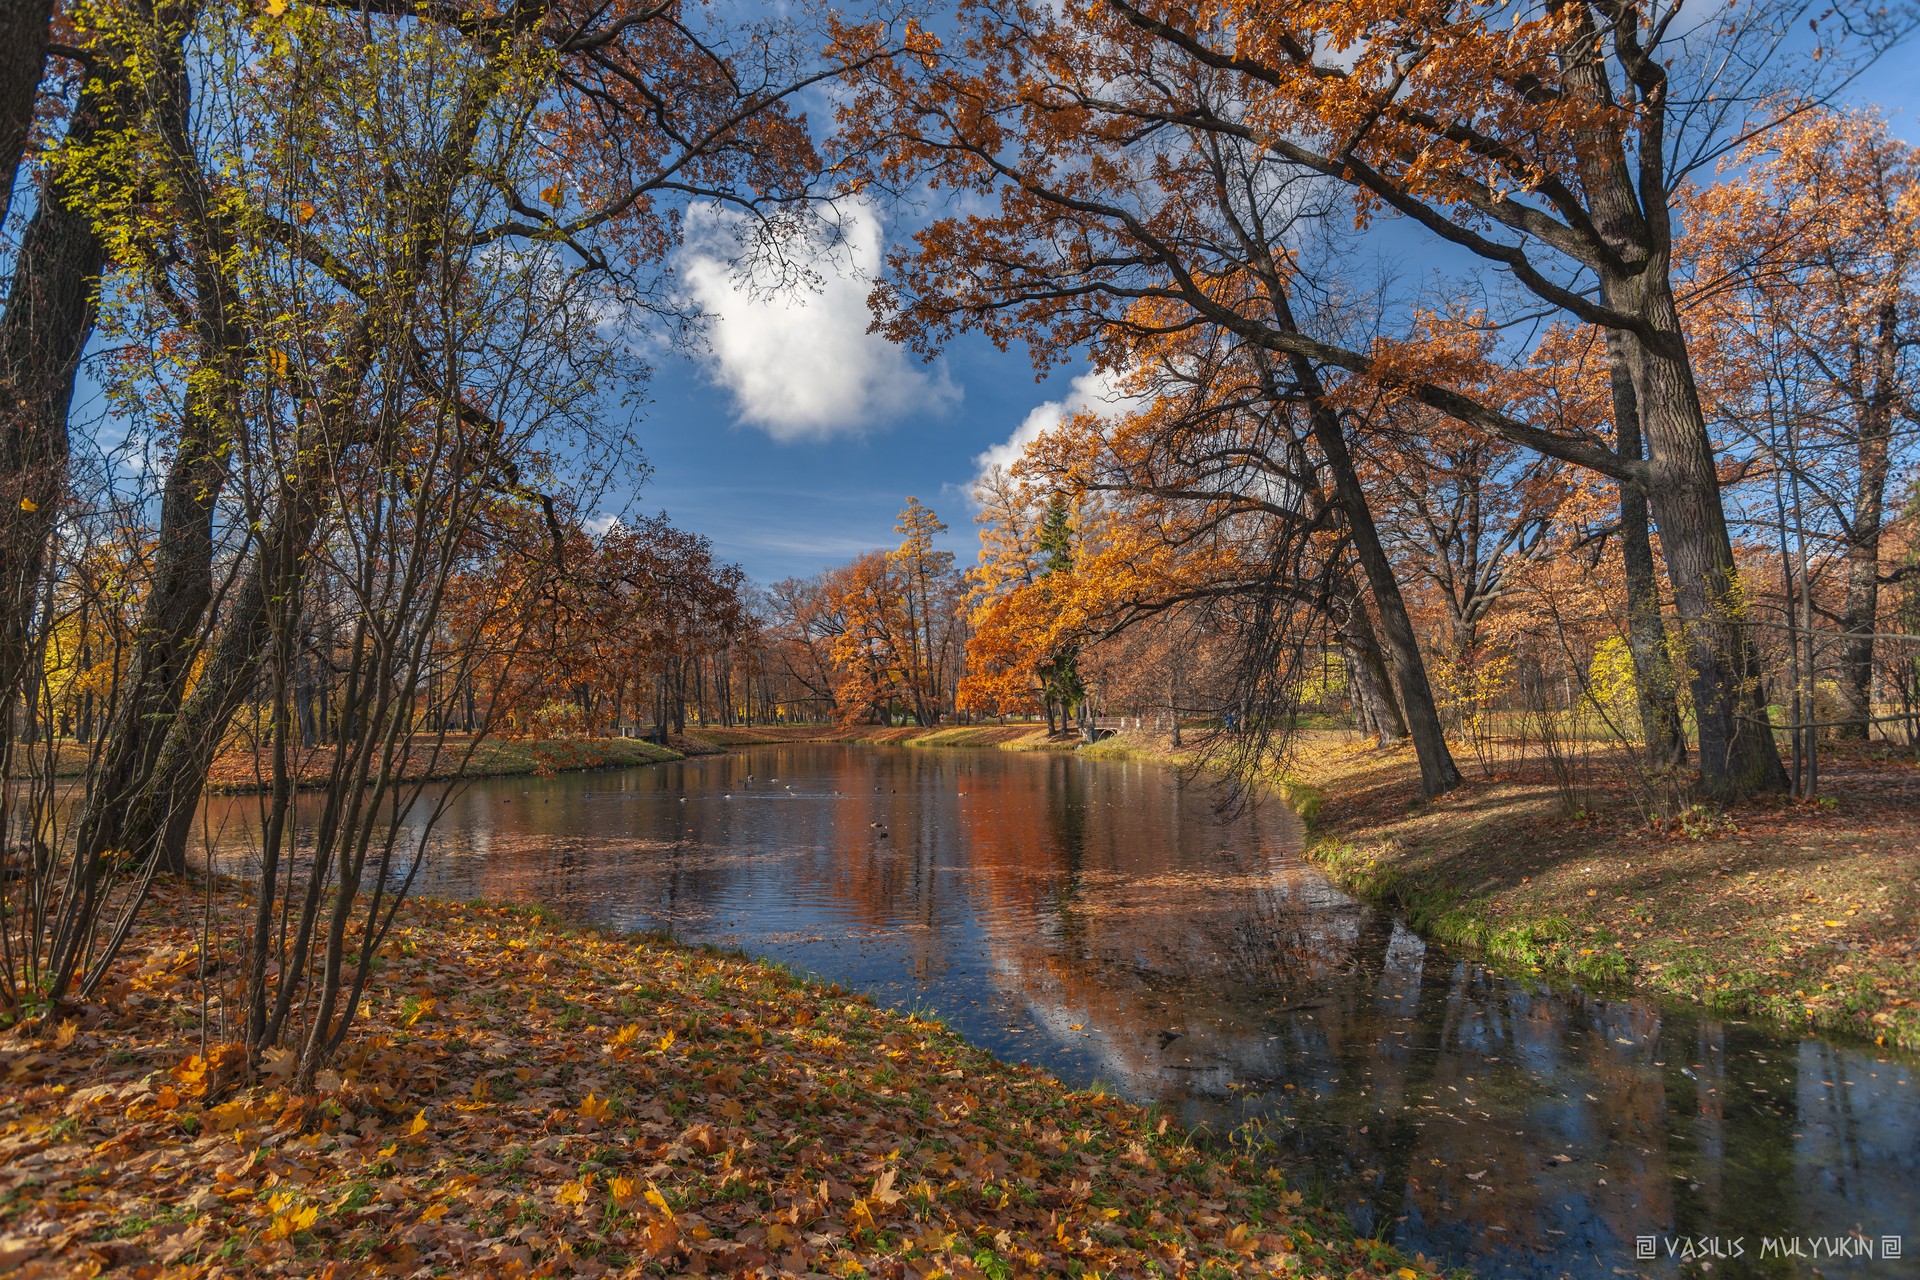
(1103, 895)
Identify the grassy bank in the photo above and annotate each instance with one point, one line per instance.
(1808, 915)
(526, 1099)
(493, 758)
(1006, 737)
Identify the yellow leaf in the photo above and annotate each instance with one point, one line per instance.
(659, 1201)
(285, 1225)
(276, 7)
(425, 1010)
(595, 1109)
(419, 1125)
(621, 1190)
(624, 1037)
(64, 1034)
(1834, 924)
(28, 504)
(665, 1042)
(433, 1213)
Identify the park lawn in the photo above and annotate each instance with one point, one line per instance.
(522, 1098)
(1806, 914)
(1008, 737)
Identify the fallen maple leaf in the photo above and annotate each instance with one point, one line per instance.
(285, 1225)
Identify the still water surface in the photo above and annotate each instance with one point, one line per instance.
(1102, 920)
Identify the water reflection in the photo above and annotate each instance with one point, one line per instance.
(1099, 919)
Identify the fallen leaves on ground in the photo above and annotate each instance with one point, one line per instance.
(586, 1104)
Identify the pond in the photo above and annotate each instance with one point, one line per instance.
(1101, 919)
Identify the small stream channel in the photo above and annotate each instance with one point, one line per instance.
(1100, 919)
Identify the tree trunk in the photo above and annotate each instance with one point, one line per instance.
(1654, 691)
(1737, 753)
(1372, 686)
(1438, 773)
(24, 27)
(166, 643)
(158, 819)
(1862, 610)
(49, 317)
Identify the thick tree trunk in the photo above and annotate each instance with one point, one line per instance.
(49, 317)
(1862, 610)
(158, 820)
(1737, 753)
(166, 643)
(1372, 686)
(1630, 212)
(23, 55)
(1654, 690)
(1438, 773)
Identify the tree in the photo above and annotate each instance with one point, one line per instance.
(927, 597)
(1809, 264)
(1547, 144)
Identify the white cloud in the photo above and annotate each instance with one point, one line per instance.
(799, 362)
(1090, 390)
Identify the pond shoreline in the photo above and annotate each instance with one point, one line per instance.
(1109, 924)
(675, 1106)
(236, 773)
(1805, 917)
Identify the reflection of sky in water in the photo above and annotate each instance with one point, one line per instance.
(1102, 920)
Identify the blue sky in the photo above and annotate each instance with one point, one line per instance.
(794, 438)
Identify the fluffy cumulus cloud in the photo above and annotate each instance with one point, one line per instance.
(1091, 390)
(798, 361)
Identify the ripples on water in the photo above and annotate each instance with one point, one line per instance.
(1101, 920)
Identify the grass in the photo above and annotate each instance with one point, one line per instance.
(1006, 737)
(239, 772)
(1805, 914)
